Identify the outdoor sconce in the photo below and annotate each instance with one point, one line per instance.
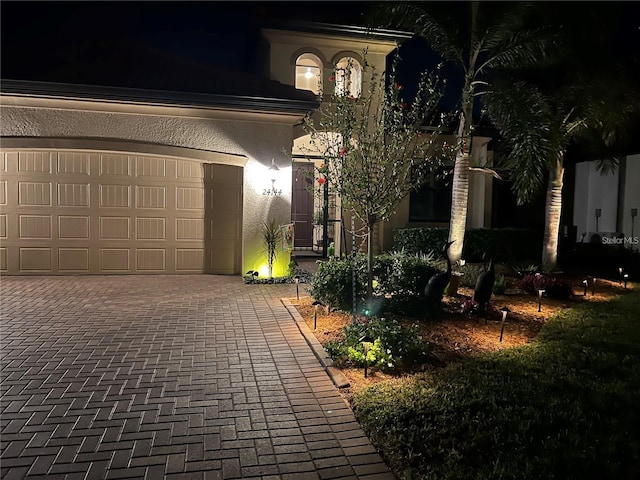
(272, 191)
(598, 215)
(540, 292)
(585, 284)
(315, 304)
(626, 279)
(297, 280)
(504, 311)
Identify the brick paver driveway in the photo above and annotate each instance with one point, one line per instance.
(167, 377)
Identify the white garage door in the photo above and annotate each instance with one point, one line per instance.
(83, 212)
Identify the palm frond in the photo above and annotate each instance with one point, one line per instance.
(520, 49)
(522, 114)
(417, 18)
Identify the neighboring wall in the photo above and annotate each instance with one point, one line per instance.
(615, 194)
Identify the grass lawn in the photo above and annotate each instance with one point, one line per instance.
(565, 406)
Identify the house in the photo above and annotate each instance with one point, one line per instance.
(102, 173)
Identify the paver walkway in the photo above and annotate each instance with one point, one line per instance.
(198, 377)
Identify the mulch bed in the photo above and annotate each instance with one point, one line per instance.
(456, 335)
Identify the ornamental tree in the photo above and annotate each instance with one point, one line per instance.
(374, 146)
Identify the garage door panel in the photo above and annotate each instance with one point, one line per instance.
(34, 226)
(34, 193)
(115, 228)
(103, 212)
(73, 195)
(151, 260)
(73, 227)
(35, 259)
(73, 260)
(114, 259)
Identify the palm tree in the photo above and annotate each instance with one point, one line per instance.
(537, 125)
(491, 36)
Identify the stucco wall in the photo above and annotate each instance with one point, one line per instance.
(594, 190)
(631, 199)
(258, 141)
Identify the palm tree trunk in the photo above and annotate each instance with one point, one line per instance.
(553, 209)
(460, 186)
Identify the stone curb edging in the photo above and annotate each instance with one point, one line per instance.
(318, 350)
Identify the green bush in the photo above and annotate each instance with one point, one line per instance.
(392, 345)
(332, 283)
(504, 244)
(400, 282)
(500, 285)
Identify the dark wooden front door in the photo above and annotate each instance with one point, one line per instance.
(302, 204)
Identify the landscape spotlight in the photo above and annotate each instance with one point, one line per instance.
(593, 287)
(626, 279)
(585, 283)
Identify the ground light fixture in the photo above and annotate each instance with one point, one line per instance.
(315, 304)
(297, 280)
(504, 311)
(593, 286)
(366, 346)
(620, 270)
(626, 279)
(540, 292)
(585, 284)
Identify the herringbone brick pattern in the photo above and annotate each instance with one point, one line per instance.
(175, 377)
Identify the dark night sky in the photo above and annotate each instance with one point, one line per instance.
(55, 40)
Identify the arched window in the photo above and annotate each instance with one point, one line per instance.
(308, 72)
(348, 77)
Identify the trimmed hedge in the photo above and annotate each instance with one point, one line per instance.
(503, 244)
(400, 281)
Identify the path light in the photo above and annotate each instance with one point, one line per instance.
(626, 279)
(366, 346)
(540, 292)
(297, 280)
(504, 311)
(315, 304)
(585, 284)
(620, 269)
(593, 287)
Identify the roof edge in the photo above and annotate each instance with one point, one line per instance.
(163, 97)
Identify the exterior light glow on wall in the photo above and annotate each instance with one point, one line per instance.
(273, 169)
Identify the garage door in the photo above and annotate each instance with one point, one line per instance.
(86, 212)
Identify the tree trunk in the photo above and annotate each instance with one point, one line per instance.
(371, 223)
(460, 187)
(553, 209)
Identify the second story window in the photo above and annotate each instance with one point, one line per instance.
(348, 77)
(308, 72)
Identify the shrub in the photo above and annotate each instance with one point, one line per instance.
(554, 287)
(500, 285)
(471, 274)
(393, 344)
(332, 283)
(505, 244)
(402, 278)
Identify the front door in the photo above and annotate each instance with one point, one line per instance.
(302, 205)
